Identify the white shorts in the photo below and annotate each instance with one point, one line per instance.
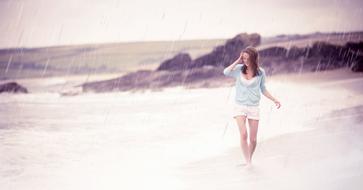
(252, 112)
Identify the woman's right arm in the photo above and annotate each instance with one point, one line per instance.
(228, 71)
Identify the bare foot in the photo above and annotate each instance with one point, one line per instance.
(248, 165)
(241, 165)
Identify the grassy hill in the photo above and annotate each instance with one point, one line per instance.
(95, 58)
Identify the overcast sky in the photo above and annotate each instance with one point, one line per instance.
(33, 23)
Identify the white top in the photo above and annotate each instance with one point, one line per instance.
(247, 94)
(247, 82)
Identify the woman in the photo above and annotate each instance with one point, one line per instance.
(250, 83)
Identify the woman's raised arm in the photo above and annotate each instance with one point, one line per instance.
(228, 70)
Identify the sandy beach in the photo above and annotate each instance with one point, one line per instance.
(183, 138)
(135, 95)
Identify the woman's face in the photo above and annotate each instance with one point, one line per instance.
(245, 58)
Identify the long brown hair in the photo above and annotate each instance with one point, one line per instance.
(253, 59)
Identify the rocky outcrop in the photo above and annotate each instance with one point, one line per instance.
(320, 56)
(147, 79)
(178, 62)
(181, 70)
(12, 87)
(206, 71)
(220, 56)
(227, 53)
(357, 66)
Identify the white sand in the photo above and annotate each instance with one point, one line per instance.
(184, 139)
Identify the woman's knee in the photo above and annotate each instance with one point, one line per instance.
(244, 136)
(253, 140)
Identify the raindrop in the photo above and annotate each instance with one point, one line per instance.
(318, 66)
(301, 65)
(184, 29)
(20, 69)
(45, 67)
(9, 62)
(20, 15)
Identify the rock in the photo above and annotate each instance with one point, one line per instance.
(145, 79)
(207, 70)
(178, 62)
(129, 81)
(273, 52)
(357, 66)
(355, 46)
(12, 87)
(320, 56)
(220, 56)
(224, 55)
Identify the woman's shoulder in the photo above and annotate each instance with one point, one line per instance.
(261, 71)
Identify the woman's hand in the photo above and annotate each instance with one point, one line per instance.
(240, 58)
(269, 96)
(277, 103)
(238, 61)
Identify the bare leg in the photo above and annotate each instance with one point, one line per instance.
(253, 126)
(241, 122)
